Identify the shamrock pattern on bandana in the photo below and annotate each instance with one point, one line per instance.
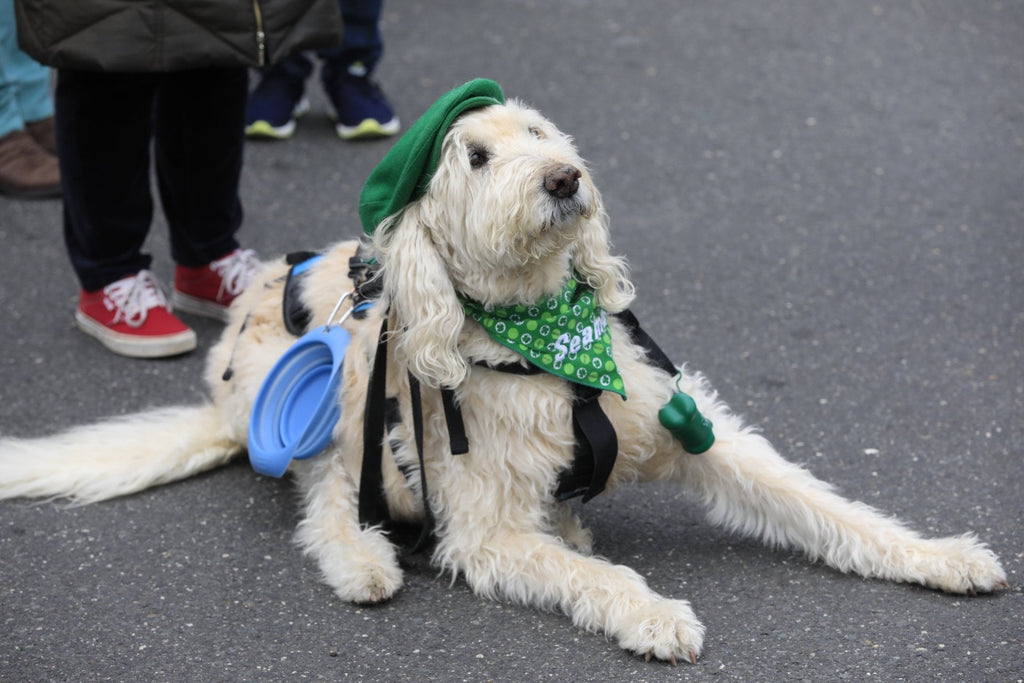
(566, 335)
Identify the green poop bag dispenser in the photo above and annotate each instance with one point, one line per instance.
(681, 417)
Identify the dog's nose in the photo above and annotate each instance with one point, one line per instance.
(562, 181)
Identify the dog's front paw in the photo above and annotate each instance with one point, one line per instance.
(356, 576)
(366, 584)
(962, 564)
(666, 629)
(363, 570)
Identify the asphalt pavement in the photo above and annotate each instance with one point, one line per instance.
(823, 206)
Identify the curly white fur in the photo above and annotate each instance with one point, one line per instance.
(495, 227)
(474, 242)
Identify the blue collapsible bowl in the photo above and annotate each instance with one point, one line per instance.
(297, 405)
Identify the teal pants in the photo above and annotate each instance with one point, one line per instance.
(24, 83)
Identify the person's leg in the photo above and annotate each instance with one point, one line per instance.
(361, 41)
(296, 67)
(279, 98)
(361, 108)
(34, 99)
(26, 168)
(30, 78)
(103, 133)
(10, 113)
(199, 148)
(104, 126)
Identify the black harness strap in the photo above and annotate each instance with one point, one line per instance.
(296, 316)
(512, 368)
(457, 440)
(427, 530)
(596, 444)
(642, 339)
(373, 507)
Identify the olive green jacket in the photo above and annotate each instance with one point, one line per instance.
(168, 35)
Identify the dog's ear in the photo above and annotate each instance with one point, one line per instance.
(605, 273)
(421, 296)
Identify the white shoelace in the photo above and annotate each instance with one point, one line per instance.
(236, 271)
(133, 297)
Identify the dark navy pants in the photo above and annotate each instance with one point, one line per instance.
(361, 42)
(107, 125)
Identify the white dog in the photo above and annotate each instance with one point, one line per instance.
(509, 214)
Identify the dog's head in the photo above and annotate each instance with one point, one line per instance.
(509, 214)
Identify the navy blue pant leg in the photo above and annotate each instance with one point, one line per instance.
(361, 42)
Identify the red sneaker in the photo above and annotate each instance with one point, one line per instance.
(131, 317)
(210, 289)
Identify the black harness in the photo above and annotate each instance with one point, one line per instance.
(596, 442)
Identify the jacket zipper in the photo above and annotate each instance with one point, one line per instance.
(261, 37)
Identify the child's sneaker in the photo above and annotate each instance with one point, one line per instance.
(273, 107)
(362, 111)
(210, 289)
(131, 317)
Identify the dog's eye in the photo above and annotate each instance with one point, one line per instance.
(536, 132)
(478, 156)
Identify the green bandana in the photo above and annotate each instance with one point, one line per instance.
(566, 335)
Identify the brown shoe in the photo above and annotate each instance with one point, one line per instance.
(26, 169)
(44, 133)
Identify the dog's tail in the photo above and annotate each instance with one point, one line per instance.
(117, 457)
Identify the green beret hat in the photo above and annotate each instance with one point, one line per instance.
(403, 173)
